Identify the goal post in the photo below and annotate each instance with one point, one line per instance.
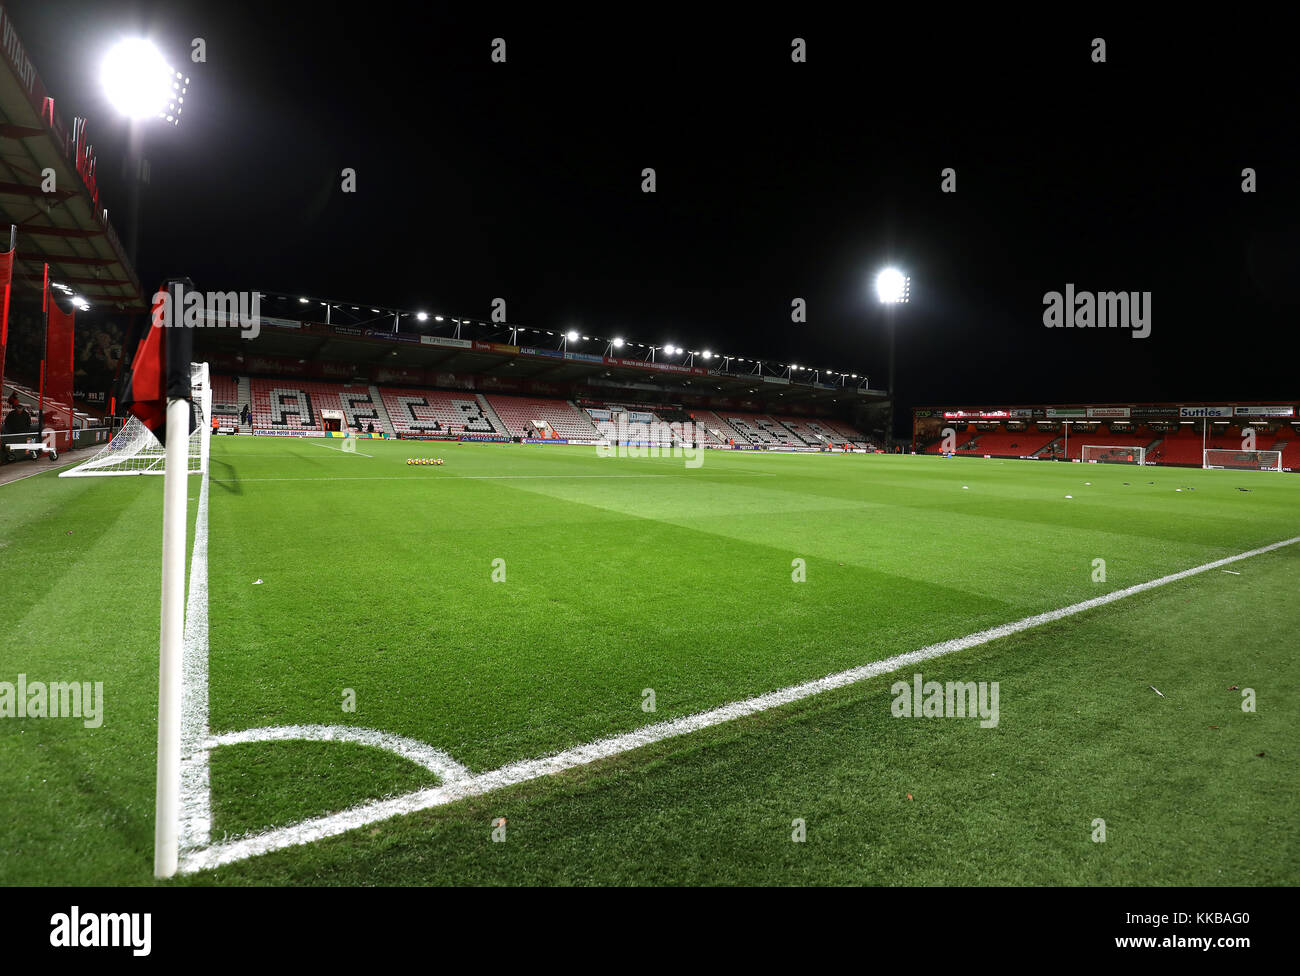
(1113, 454)
(135, 450)
(1238, 460)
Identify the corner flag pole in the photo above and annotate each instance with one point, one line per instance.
(175, 486)
(175, 367)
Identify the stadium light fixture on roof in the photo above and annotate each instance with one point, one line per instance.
(422, 316)
(707, 354)
(893, 287)
(302, 301)
(139, 82)
(618, 343)
(571, 336)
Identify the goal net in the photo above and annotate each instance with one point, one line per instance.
(1110, 454)
(1243, 460)
(135, 450)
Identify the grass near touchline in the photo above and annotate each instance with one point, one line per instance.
(621, 575)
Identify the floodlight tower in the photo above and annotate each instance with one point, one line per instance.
(140, 85)
(892, 288)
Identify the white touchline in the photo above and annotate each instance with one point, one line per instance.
(332, 825)
(196, 798)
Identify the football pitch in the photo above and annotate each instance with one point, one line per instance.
(533, 633)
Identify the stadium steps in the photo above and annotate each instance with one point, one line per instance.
(491, 414)
(380, 409)
(1049, 449)
(711, 420)
(244, 398)
(586, 418)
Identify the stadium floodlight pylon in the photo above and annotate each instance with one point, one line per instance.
(1113, 454)
(1239, 460)
(135, 450)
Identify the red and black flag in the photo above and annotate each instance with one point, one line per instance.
(160, 369)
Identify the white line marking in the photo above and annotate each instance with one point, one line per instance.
(434, 760)
(330, 447)
(332, 825)
(1230, 571)
(196, 796)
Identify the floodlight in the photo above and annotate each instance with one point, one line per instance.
(302, 301)
(137, 81)
(618, 343)
(892, 286)
(422, 316)
(571, 336)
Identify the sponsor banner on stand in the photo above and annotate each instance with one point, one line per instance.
(1265, 411)
(445, 341)
(393, 336)
(1119, 413)
(660, 367)
(543, 353)
(1066, 412)
(1193, 413)
(1150, 412)
(497, 347)
(976, 414)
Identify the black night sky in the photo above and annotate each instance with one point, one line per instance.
(775, 180)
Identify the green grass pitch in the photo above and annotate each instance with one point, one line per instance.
(622, 575)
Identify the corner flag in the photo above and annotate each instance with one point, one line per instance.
(160, 369)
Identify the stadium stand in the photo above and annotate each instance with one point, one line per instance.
(225, 393)
(296, 405)
(521, 413)
(1023, 443)
(748, 428)
(424, 412)
(711, 422)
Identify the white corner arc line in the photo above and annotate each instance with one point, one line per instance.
(434, 760)
(511, 774)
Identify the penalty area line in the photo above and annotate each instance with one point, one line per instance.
(332, 825)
